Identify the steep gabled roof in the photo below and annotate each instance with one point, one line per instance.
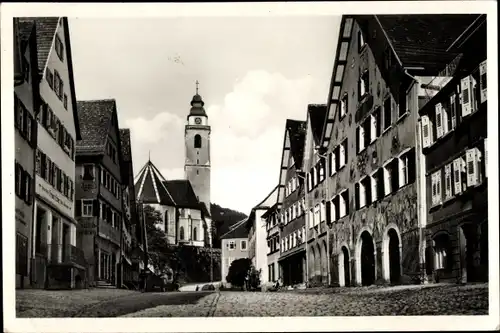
(423, 40)
(149, 186)
(95, 119)
(237, 230)
(25, 29)
(46, 28)
(317, 115)
(182, 192)
(126, 144)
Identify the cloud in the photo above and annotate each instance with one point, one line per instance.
(153, 130)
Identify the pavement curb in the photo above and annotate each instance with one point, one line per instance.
(213, 306)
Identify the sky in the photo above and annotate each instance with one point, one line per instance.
(254, 73)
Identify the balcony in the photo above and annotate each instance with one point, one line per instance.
(108, 232)
(66, 254)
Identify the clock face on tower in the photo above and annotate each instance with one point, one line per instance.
(197, 121)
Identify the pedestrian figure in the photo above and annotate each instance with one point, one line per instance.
(197, 288)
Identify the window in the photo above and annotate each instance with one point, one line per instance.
(197, 141)
(314, 171)
(343, 106)
(321, 170)
(427, 135)
(377, 185)
(323, 212)
(375, 125)
(407, 168)
(195, 234)
(467, 85)
(363, 85)
(243, 244)
(59, 48)
(333, 211)
(391, 176)
(387, 113)
(317, 215)
(440, 252)
(441, 117)
(87, 207)
(181, 233)
(332, 163)
(50, 78)
(232, 245)
(343, 203)
(57, 83)
(88, 172)
(473, 160)
(360, 138)
(311, 218)
(282, 245)
(19, 180)
(483, 81)
(363, 192)
(448, 183)
(343, 153)
(361, 41)
(65, 101)
(452, 112)
(436, 188)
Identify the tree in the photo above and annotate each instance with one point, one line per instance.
(238, 271)
(162, 254)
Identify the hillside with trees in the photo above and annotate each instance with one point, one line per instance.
(223, 219)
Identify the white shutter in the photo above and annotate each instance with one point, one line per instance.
(387, 180)
(374, 186)
(334, 163)
(444, 119)
(333, 218)
(457, 175)
(482, 80)
(342, 155)
(448, 185)
(439, 186)
(453, 111)
(472, 158)
(361, 138)
(373, 128)
(426, 132)
(362, 195)
(323, 212)
(401, 171)
(467, 96)
(486, 157)
(342, 202)
(439, 120)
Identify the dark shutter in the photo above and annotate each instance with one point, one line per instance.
(327, 212)
(346, 152)
(394, 175)
(367, 126)
(95, 207)
(356, 195)
(368, 190)
(34, 132)
(78, 207)
(16, 110)
(380, 183)
(357, 139)
(24, 125)
(412, 166)
(17, 170)
(23, 183)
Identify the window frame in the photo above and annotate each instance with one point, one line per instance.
(86, 211)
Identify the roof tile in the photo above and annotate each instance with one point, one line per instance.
(95, 118)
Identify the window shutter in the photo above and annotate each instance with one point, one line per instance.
(444, 118)
(333, 217)
(439, 120)
(380, 183)
(401, 170)
(368, 190)
(95, 207)
(473, 171)
(361, 138)
(394, 169)
(457, 175)
(412, 166)
(448, 185)
(357, 195)
(387, 180)
(453, 111)
(439, 186)
(374, 188)
(426, 132)
(373, 127)
(482, 80)
(466, 96)
(78, 207)
(486, 157)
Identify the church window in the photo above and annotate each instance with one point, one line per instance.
(195, 234)
(197, 141)
(181, 233)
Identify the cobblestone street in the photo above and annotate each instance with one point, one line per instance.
(367, 301)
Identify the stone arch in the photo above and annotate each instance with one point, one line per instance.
(324, 263)
(344, 262)
(181, 233)
(312, 258)
(392, 254)
(317, 263)
(365, 256)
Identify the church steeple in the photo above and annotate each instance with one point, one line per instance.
(197, 104)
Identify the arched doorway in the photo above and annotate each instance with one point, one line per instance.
(344, 268)
(367, 259)
(394, 257)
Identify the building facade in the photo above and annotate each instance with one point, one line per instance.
(56, 260)
(234, 246)
(271, 217)
(370, 139)
(26, 104)
(197, 153)
(316, 194)
(257, 235)
(291, 216)
(454, 141)
(99, 190)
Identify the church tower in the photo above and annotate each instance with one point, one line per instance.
(197, 142)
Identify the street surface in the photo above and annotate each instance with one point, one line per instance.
(363, 301)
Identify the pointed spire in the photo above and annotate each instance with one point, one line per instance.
(149, 156)
(197, 83)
